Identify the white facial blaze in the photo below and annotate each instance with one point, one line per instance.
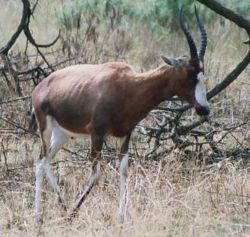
(200, 90)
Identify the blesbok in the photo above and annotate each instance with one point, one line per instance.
(110, 99)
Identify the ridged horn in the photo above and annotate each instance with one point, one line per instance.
(190, 40)
(203, 34)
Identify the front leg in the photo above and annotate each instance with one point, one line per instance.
(96, 147)
(123, 178)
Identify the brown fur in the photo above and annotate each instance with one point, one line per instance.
(110, 98)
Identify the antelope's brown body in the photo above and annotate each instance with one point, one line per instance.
(109, 98)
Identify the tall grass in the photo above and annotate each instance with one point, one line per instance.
(173, 197)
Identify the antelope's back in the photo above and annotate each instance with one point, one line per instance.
(73, 95)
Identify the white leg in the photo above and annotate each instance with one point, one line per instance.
(123, 187)
(40, 163)
(58, 139)
(53, 183)
(39, 183)
(52, 140)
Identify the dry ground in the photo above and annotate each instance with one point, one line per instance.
(174, 197)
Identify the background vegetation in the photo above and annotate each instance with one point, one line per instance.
(192, 190)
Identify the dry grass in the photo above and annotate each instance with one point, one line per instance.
(176, 196)
(173, 197)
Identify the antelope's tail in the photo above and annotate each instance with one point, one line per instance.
(32, 121)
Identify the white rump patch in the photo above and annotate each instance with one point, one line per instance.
(200, 90)
(53, 124)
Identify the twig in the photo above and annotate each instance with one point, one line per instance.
(7, 81)
(45, 60)
(25, 16)
(4, 152)
(16, 99)
(13, 73)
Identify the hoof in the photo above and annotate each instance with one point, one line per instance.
(38, 220)
(72, 216)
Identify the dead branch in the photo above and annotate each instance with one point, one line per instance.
(23, 27)
(8, 82)
(178, 131)
(242, 23)
(24, 20)
(4, 152)
(233, 75)
(8, 66)
(228, 14)
(15, 99)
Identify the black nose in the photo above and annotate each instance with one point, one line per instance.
(201, 110)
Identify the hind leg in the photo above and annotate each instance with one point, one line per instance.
(52, 140)
(40, 164)
(58, 139)
(124, 158)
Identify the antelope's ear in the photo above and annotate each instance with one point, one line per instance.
(171, 61)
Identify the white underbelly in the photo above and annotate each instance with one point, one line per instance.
(53, 124)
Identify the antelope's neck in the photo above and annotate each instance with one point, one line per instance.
(155, 85)
(152, 88)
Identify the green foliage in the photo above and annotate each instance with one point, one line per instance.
(158, 14)
(118, 13)
(242, 7)
(94, 12)
(154, 15)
